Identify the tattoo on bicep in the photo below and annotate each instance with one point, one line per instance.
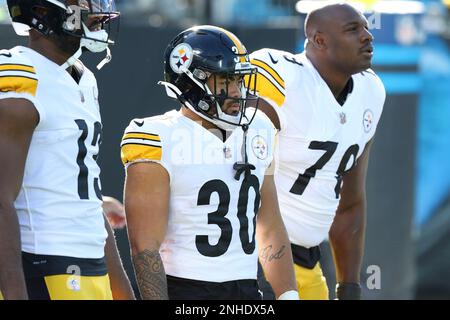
(150, 275)
(268, 254)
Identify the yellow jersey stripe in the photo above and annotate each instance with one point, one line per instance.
(131, 152)
(261, 64)
(18, 84)
(145, 136)
(267, 89)
(17, 67)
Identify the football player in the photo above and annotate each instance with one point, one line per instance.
(199, 204)
(326, 104)
(55, 242)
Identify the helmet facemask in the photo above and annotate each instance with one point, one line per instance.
(221, 91)
(92, 21)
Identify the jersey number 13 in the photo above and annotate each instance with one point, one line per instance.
(83, 187)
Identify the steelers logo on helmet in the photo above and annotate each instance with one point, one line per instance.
(181, 57)
(367, 120)
(259, 147)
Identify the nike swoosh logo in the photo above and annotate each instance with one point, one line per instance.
(273, 60)
(140, 124)
(8, 55)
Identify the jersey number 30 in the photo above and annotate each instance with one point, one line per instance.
(218, 217)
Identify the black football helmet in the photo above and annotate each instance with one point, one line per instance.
(85, 19)
(199, 53)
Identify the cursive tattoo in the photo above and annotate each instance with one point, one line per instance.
(150, 275)
(267, 254)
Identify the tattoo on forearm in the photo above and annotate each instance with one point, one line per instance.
(150, 275)
(268, 254)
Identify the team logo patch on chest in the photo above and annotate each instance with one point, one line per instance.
(367, 120)
(181, 57)
(259, 147)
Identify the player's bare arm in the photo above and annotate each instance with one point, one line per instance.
(347, 231)
(18, 118)
(120, 285)
(275, 253)
(146, 205)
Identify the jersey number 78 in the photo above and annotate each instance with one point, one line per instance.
(329, 147)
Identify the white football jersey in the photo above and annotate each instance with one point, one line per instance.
(319, 139)
(59, 206)
(212, 216)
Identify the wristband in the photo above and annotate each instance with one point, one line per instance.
(348, 291)
(289, 295)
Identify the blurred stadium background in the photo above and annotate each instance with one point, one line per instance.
(408, 230)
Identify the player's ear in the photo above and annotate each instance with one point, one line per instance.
(319, 41)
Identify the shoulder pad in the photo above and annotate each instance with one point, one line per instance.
(17, 73)
(273, 73)
(141, 141)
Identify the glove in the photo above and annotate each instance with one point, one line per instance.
(348, 291)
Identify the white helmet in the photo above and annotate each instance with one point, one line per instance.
(62, 18)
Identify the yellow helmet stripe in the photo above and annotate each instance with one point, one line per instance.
(237, 43)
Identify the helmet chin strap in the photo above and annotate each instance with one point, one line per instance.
(228, 117)
(106, 60)
(224, 121)
(173, 92)
(71, 61)
(95, 41)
